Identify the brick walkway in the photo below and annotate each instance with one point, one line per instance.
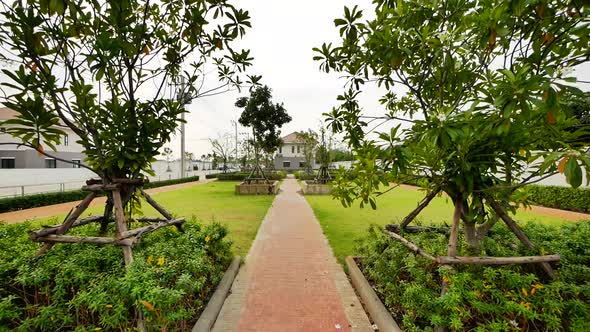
(291, 280)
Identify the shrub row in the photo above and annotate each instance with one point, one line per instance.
(36, 200)
(240, 176)
(84, 287)
(484, 298)
(303, 175)
(565, 198)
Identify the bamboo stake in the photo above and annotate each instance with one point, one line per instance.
(414, 248)
(71, 218)
(513, 226)
(485, 260)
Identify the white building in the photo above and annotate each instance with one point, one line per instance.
(13, 156)
(290, 155)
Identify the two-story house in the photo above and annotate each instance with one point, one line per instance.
(290, 155)
(13, 156)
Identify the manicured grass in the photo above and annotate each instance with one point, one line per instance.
(211, 202)
(343, 226)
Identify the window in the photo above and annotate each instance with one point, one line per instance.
(50, 163)
(2, 130)
(281, 149)
(302, 164)
(76, 163)
(292, 148)
(66, 140)
(298, 149)
(7, 163)
(286, 164)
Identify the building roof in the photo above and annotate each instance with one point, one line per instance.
(292, 138)
(7, 114)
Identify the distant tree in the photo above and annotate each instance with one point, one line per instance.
(579, 106)
(309, 139)
(223, 148)
(265, 118)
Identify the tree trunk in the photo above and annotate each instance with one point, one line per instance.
(424, 203)
(107, 215)
(471, 237)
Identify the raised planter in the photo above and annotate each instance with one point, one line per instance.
(244, 188)
(312, 188)
(375, 308)
(209, 315)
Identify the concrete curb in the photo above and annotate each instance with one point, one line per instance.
(209, 315)
(377, 311)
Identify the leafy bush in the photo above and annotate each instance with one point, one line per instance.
(85, 287)
(483, 298)
(36, 200)
(240, 176)
(565, 198)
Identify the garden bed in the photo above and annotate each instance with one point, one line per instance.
(483, 298)
(86, 287)
(313, 188)
(257, 188)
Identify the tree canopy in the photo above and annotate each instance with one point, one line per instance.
(104, 69)
(264, 117)
(480, 85)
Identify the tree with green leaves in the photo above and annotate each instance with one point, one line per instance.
(105, 69)
(480, 87)
(266, 119)
(309, 139)
(324, 156)
(223, 148)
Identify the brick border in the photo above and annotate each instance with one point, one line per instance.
(373, 304)
(209, 315)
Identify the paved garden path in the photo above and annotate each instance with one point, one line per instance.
(291, 280)
(63, 208)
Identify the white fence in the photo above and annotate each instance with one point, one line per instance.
(20, 182)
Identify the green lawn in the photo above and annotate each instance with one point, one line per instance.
(343, 226)
(214, 201)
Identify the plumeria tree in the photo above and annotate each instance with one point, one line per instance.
(119, 74)
(309, 139)
(480, 86)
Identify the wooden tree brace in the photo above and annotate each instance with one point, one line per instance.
(53, 229)
(101, 187)
(138, 232)
(485, 260)
(424, 203)
(148, 219)
(83, 239)
(414, 248)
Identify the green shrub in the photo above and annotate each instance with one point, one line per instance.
(86, 287)
(36, 200)
(565, 198)
(483, 298)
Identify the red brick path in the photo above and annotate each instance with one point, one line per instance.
(291, 281)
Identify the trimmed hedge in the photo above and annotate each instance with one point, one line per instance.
(37, 200)
(565, 198)
(240, 176)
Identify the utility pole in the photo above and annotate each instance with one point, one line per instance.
(235, 123)
(184, 99)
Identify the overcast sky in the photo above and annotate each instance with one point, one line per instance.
(281, 40)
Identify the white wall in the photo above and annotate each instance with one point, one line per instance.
(13, 182)
(72, 146)
(288, 148)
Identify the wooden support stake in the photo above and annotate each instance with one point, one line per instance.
(485, 260)
(33, 235)
(424, 203)
(138, 232)
(417, 229)
(160, 209)
(84, 239)
(149, 219)
(414, 248)
(121, 227)
(513, 226)
(100, 187)
(70, 219)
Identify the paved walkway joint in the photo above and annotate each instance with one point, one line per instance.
(291, 280)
